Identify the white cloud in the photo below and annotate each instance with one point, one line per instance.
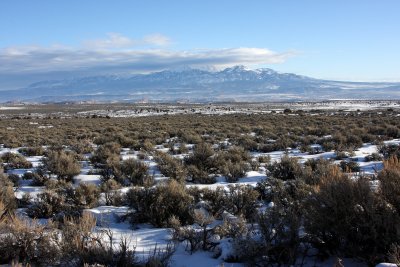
(113, 40)
(156, 39)
(120, 54)
(118, 41)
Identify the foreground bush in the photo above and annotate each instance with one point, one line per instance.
(389, 179)
(200, 164)
(134, 171)
(62, 164)
(157, 204)
(171, 167)
(349, 218)
(28, 242)
(287, 169)
(7, 198)
(233, 163)
(15, 161)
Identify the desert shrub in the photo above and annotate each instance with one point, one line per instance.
(199, 175)
(182, 148)
(62, 164)
(3, 212)
(314, 169)
(349, 166)
(25, 201)
(187, 234)
(239, 200)
(157, 204)
(327, 144)
(111, 169)
(201, 164)
(190, 137)
(389, 179)
(105, 151)
(234, 171)
(248, 143)
(86, 195)
(82, 147)
(242, 200)
(39, 178)
(14, 178)
(171, 167)
(28, 242)
(287, 169)
(281, 221)
(147, 145)
(339, 155)
(306, 149)
(247, 250)
(15, 161)
(58, 201)
(160, 257)
(373, 157)
(49, 204)
(353, 141)
(214, 199)
(31, 151)
(392, 131)
(111, 194)
(203, 219)
(76, 235)
(196, 236)
(394, 254)
(7, 198)
(81, 246)
(134, 171)
(389, 150)
(264, 159)
(28, 175)
(232, 228)
(254, 165)
(232, 163)
(348, 218)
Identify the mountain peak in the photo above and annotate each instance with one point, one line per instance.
(181, 68)
(236, 82)
(266, 70)
(237, 68)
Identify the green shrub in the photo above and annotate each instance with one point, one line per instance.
(347, 217)
(28, 242)
(62, 164)
(31, 151)
(349, 166)
(286, 169)
(134, 171)
(156, 205)
(373, 157)
(200, 164)
(48, 205)
(105, 151)
(15, 161)
(86, 195)
(171, 167)
(7, 198)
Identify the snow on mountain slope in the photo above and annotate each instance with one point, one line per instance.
(237, 83)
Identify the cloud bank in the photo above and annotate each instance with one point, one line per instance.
(121, 54)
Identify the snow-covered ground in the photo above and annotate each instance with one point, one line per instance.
(145, 238)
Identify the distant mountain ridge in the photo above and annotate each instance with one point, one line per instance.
(194, 85)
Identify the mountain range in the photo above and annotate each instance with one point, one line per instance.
(194, 85)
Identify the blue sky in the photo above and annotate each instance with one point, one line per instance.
(344, 40)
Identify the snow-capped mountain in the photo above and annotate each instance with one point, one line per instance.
(231, 84)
